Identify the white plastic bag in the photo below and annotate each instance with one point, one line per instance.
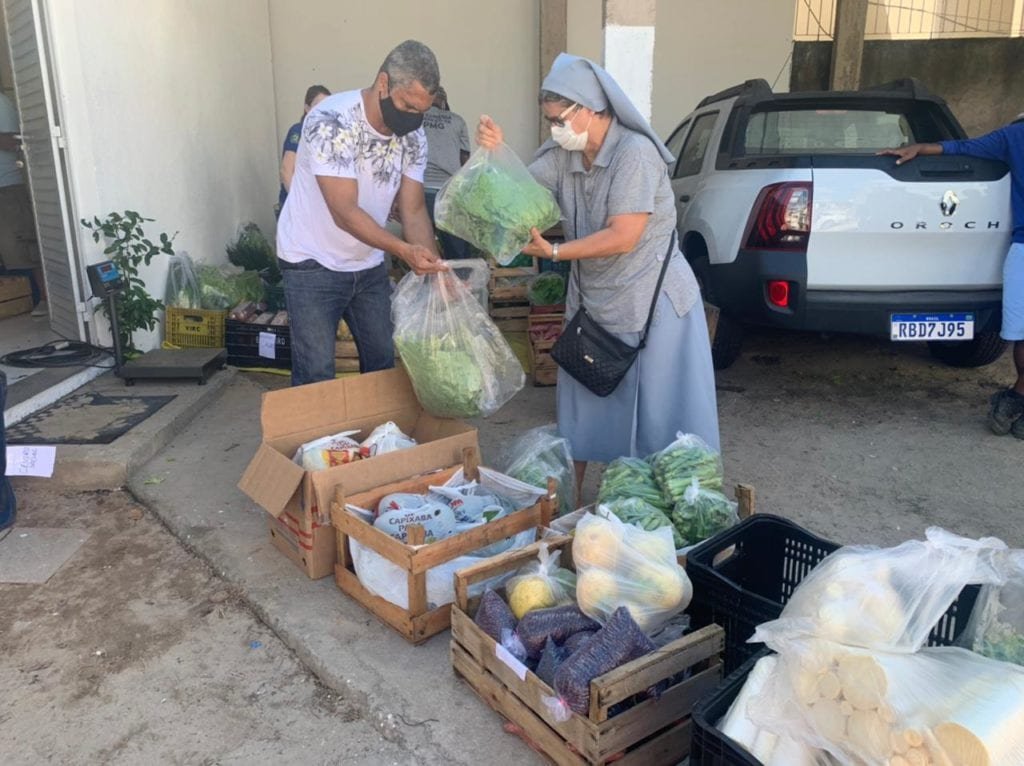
(385, 438)
(539, 454)
(460, 364)
(328, 451)
(887, 599)
(620, 565)
(941, 705)
(492, 202)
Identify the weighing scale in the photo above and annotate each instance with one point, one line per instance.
(163, 364)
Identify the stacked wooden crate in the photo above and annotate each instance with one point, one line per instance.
(509, 305)
(544, 327)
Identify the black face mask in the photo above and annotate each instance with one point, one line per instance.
(399, 122)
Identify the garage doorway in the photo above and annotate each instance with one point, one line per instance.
(48, 243)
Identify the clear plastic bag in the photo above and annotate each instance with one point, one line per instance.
(387, 437)
(887, 599)
(702, 513)
(541, 585)
(996, 627)
(631, 477)
(686, 458)
(540, 454)
(493, 202)
(460, 364)
(640, 513)
(182, 283)
(619, 565)
(941, 705)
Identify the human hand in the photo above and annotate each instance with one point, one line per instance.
(422, 260)
(903, 153)
(488, 133)
(538, 247)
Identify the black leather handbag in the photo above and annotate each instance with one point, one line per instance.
(591, 354)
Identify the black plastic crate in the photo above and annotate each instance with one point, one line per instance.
(745, 575)
(243, 344)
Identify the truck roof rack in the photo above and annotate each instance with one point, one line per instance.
(755, 90)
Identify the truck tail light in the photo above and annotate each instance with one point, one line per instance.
(781, 218)
(778, 293)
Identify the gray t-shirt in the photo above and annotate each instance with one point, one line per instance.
(446, 138)
(628, 176)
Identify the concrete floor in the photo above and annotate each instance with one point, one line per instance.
(858, 440)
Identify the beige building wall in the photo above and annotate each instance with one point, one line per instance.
(699, 48)
(169, 111)
(488, 54)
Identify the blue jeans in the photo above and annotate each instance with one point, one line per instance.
(452, 248)
(318, 299)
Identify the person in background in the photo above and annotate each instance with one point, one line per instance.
(359, 152)
(608, 170)
(18, 249)
(314, 95)
(1006, 144)
(447, 151)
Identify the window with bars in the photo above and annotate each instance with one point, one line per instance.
(916, 19)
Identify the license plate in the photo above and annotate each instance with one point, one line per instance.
(916, 327)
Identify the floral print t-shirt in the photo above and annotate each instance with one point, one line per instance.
(338, 141)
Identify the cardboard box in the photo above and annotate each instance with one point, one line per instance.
(299, 500)
(15, 296)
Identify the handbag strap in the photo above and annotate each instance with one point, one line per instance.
(657, 290)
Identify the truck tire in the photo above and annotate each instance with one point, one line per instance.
(729, 335)
(985, 348)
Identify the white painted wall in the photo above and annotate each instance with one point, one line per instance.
(487, 52)
(702, 48)
(169, 111)
(699, 48)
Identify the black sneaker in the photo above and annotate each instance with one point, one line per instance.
(1007, 407)
(1017, 429)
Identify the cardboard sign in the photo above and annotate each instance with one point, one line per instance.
(398, 511)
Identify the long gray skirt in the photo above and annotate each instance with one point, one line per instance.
(671, 388)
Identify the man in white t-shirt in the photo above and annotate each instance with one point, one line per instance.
(361, 152)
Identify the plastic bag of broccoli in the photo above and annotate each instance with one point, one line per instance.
(493, 202)
(460, 364)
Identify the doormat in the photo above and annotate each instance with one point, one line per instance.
(86, 418)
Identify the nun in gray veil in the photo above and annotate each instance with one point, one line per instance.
(608, 170)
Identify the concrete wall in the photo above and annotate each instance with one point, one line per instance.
(169, 110)
(980, 78)
(488, 55)
(699, 48)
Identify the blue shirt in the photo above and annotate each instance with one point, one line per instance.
(1007, 145)
(291, 144)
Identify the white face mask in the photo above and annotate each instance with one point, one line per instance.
(566, 137)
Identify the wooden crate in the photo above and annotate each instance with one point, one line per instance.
(509, 305)
(346, 357)
(655, 732)
(542, 366)
(418, 623)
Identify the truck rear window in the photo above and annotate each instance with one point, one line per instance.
(807, 131)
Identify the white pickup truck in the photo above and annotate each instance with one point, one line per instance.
(790, 219)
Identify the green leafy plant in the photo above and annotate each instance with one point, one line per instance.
(129, 248)
(253, 252)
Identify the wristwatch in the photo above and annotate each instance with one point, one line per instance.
(554, 251)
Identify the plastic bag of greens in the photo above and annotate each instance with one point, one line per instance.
(540, 454)
(493, 202)
(246, 286)
(996, 627)
(215, 290)
(633, 510)
(460, 364)
(182, 283)
(679, 463)
(631, 477)
(547, 289)
(702, 513)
